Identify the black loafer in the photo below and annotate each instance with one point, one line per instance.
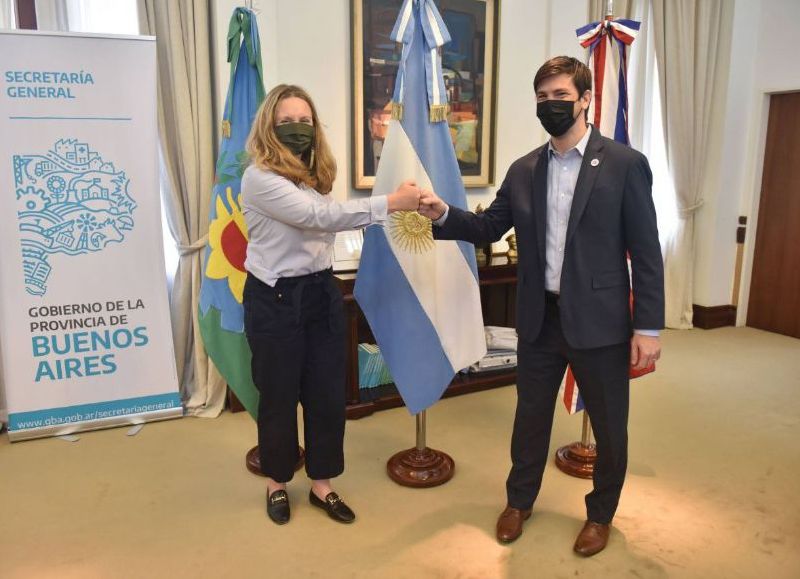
(278, 507)
(334, 506)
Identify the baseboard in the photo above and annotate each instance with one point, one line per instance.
(710, 317)
(233, 402)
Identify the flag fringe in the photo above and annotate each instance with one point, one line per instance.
(226, 129)
(397, 111)
(439, 113)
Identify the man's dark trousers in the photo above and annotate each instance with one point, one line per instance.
(602, 375)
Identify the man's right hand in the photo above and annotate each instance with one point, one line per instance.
(431, 206)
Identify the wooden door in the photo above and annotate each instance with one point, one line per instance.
(775, 286)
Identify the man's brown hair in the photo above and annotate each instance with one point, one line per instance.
(572, 67)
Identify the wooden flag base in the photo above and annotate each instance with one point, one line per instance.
(253, 462)
(420, 468)
(577, 459)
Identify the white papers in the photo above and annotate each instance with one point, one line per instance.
(347, 250)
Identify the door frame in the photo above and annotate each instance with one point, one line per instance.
(751, 206)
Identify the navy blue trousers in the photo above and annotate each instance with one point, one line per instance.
(602, 375)
(296, 332)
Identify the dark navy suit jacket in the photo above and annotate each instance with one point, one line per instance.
(612, 214)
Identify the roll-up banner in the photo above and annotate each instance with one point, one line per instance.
(85, 333)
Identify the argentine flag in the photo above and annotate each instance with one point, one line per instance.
(420, 296)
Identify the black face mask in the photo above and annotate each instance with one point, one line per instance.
(297, 137)
(556, 116)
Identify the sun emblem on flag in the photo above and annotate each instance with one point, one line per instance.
(227, 236)
(411, 231)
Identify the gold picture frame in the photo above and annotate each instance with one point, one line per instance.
(469, 62)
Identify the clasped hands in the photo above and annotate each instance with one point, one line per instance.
(410, 197)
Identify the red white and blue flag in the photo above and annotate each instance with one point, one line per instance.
(608, 43)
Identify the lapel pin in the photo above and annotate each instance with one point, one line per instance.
(595, 162)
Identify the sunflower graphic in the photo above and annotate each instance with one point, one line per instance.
(227, 237)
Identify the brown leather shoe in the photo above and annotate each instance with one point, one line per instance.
(509, 524)
(592, 539)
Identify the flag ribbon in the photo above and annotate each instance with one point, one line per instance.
(597, 37)
(435, 35)
(623, 30)
(241, 25)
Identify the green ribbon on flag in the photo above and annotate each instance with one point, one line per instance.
(241, 26)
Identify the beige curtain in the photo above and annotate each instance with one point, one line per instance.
(185, 120)
(55, 15)
(621, 9)
(7, 17)
(691, 40)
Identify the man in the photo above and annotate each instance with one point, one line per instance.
(579, 204)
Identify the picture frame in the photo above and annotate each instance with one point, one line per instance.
(469, 63)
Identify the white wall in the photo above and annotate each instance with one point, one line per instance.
(319, 60)
(763, 60)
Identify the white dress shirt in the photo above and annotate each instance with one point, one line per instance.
(562, 176)
(292, 228)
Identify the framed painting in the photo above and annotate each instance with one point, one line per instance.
(469, 63)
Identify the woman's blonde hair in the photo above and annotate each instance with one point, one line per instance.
(316, 168)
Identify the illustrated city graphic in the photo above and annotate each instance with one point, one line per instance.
(69, 201)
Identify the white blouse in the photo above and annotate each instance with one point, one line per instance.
(292, 229)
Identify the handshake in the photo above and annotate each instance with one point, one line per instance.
(409, 197)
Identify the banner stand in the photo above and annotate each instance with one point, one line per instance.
(85, 333)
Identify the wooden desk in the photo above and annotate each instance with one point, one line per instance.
(498, 288)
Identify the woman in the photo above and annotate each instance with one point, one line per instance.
(294, 318)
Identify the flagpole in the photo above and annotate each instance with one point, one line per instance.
(421, 430)
(420, 467)
(586, 435)
(578, 459)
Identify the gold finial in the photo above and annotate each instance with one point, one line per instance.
(513, 255)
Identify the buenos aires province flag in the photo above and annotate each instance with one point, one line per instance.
(420, 296)
(221, 315)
